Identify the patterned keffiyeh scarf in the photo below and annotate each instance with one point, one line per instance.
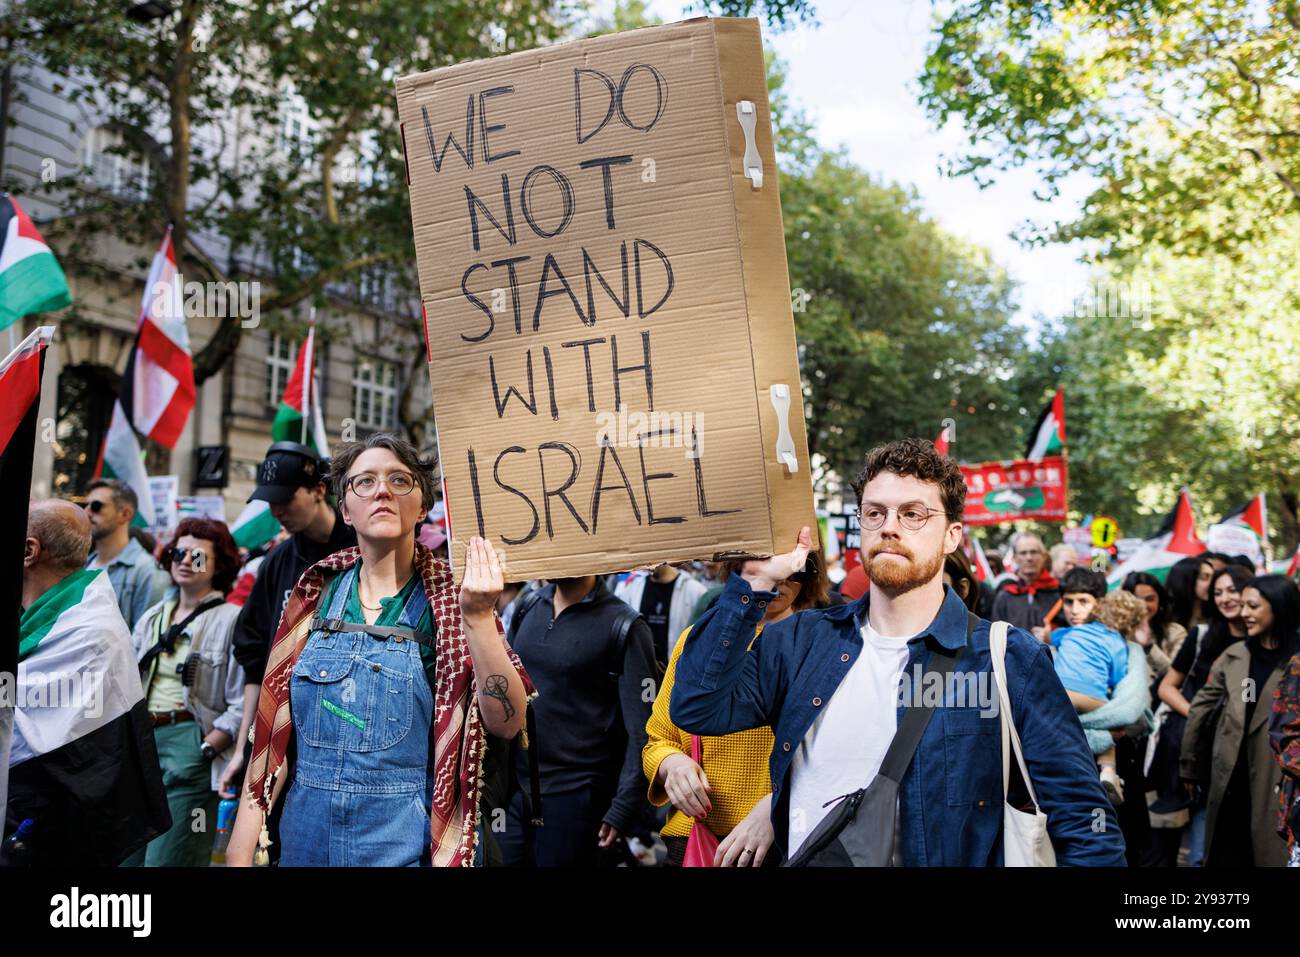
(459, 735)
(1044, 582)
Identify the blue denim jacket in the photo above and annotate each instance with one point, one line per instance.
(950, 800)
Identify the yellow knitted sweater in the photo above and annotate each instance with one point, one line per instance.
(735, 764)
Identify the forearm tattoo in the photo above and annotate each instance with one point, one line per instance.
(496, 686)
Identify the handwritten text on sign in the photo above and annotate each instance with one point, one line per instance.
(563, 246)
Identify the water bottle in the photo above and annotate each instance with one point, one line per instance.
(17, 849)
(225, 821)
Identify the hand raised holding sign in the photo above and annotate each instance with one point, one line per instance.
(484, 579)
(764, 574)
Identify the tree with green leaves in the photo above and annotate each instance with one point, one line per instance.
(900, 324)
(1185, 116)
(1183, 111)
(201, 92)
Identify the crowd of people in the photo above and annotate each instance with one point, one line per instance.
(363, 709)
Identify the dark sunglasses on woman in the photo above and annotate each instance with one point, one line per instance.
(178, 556)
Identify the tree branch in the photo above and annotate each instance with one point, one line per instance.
(1279, 173)
(342, 130)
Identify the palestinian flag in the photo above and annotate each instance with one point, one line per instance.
(1175, 540)
(120, 458)
(1293, 568)
(1243, 531)
(301, 402)
(83, 766)
(943, 442)
(1048, 436)
(20, 384)
(1252, 514)
(157, 392)
(983, 571)
(30, 277)
(255, 525)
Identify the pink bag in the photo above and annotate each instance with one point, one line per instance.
(702, 845)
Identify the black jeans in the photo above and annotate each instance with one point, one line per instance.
(568, 838)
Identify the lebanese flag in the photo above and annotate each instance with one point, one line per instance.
(301, 401)
(941, 444)
(1048, 435)
(20, 384)
(1175, 540)
(158, 386)
(30, 277)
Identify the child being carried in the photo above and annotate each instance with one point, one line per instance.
(1090, 658)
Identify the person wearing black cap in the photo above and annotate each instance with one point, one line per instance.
(293, 479)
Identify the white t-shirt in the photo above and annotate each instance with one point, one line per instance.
(846, 744)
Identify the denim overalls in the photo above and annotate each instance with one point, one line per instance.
(362, 709)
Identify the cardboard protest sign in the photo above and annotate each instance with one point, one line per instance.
(163, 490)
(999, 492)
(200, 506)
(607, 306)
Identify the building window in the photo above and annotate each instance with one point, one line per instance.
(370, 161)
(297, 131)
(114, 167)
(280, 360)
(374, 393)
(375, 287)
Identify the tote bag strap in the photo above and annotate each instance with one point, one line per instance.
(1010, 738)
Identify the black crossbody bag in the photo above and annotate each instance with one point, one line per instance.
(167, 641)
(859, 832)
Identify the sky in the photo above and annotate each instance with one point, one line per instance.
(854, 75)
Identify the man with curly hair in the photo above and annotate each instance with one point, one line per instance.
(828, 683)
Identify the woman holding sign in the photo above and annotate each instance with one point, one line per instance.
(382, 683)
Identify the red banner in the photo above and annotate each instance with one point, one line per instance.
(1001, 492)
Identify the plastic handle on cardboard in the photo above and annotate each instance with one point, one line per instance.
(753, 165)
(785, 454)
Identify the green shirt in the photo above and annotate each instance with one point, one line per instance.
(166, 691)
(390, 612)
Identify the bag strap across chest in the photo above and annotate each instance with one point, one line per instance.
(416, 603)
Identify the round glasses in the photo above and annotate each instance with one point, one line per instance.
(911, 515)
(366, 484)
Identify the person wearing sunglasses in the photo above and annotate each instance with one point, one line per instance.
(111, 505)
(193, 686)
(371, 638)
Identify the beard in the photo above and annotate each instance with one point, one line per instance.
(896, 576)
